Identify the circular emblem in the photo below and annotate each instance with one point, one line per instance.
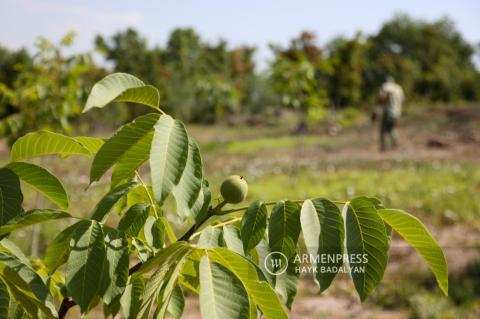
(276, 263)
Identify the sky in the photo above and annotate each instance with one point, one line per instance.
(241, 22)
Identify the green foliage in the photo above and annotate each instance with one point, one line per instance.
(227, 265)
(415, 233)
(122, 87)
(86, 264)
(430, 59)
(42, 180)
(317, 215)
(47, 91)
(366, 236)
(221, 293)
(31, 217)
(124, 149)
(284, 228)
(46, 143)
(254, 223)
(11, 197)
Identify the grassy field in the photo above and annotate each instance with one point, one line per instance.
(434, 174)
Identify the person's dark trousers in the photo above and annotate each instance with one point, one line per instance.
(388, 128)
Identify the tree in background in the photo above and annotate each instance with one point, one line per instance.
(186, 70)
(297, 75)
(347, 59)
(47, 91)
(431, 61)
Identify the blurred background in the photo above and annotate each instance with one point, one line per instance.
(283, 93)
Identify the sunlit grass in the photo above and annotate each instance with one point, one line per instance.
(446, 192)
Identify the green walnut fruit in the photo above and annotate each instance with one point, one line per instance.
(234, 189)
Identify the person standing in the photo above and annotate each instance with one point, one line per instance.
(391, 100)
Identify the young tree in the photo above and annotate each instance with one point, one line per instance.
(241, 261)
(48, 91)
(297, 75)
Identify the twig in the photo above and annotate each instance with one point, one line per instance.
(148, 193)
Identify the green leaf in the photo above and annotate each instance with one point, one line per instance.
(187, 190)
(259, 254)
(143, 249)
(42, 143)
(16, 311)
(9, 247)
(131, 299)
(86, 264)
(58, 251)
(134, 219)
(108, 201)
(122, 87)
(32, 280)
(202, 203)
(22, 294)
(284, 228)
(92, 144)
(154, 232)
(415, 233)
(115, 148)
(42, 180)
(165, 255)
(169, 262)
(117, 260)
(130, 161)
(190, 272)
(11, 197)
(366, 237)
(222, 295)
(286, 283)
(231, 236)
(166, 294)
(323, 232)
(260, 291)
(254, 224)
(177, 303)
(168, 156)
(210, 237)
(30, 218)
(4, 300)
